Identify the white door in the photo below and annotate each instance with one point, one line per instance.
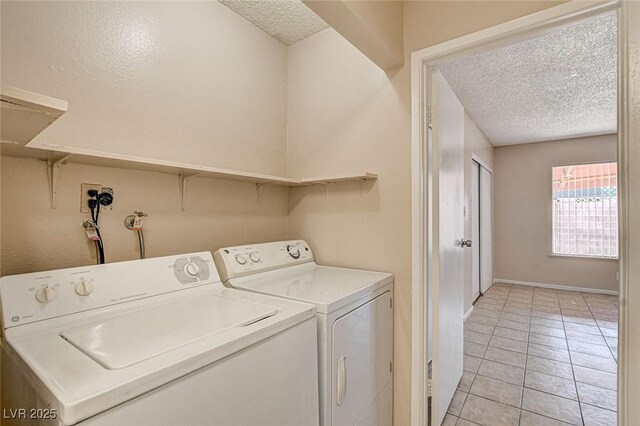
(361, 365)
(486, 230)
(475, 230)
(446, 270)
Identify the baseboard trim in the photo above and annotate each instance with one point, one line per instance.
(556, 286)
(468, 313)
(484, 291)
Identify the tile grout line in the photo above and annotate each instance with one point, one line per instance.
(545, 392)
(573, 373)
(544, 415)
(615, 357)
(482, 359)
(475, 374)
(524, 373)
(526, 361)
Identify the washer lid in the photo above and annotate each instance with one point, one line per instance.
(165, 337)
(329, 288)
(130, 338)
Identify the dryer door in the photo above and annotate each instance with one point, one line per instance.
(361, 364)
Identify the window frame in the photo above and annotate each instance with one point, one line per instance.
(551, 227)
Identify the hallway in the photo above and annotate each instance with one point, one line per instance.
(537, 356)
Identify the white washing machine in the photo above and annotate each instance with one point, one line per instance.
(154, 342)
(355, 323)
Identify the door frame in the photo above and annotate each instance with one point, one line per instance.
(476, 246)
(475, 157)
(421, 200)
(490, 171)
(483, 165)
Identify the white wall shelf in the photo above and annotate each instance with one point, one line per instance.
(56, 156)
(26, 114)
(325, 180)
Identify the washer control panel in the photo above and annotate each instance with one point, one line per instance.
(42, 295)
(238, 261)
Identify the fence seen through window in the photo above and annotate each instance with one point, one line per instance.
(585, 210)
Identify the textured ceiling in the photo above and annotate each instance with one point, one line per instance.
(559, 85)
(286, 20)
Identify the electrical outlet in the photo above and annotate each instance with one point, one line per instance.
(84, 194)
(110, 191)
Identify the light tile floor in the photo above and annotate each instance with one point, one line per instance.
(536, 357)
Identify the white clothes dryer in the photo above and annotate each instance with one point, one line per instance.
(355, 323)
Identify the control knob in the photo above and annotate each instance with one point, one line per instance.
(293, 251)
(255, 257)
(192, 269)
(83, 287)
(241, 259)
(45, 294)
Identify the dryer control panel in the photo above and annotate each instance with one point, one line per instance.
(42, 295)
(233, 262)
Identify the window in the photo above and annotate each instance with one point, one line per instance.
(585, 210)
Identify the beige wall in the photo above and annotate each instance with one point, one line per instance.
(631, 303)
(351, 118)
(475, 143)
(522, 200)
(431, 22)
(373, 27)
(173, 80)
(182, 81)
(218, 213)
(346, 115)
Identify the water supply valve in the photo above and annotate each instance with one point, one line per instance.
(134, 221)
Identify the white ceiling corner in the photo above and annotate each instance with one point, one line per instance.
(288, 21)
(559, 85)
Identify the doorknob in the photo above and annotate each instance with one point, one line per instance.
(465, 243)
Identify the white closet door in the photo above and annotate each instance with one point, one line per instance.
(486, 229)
(475, 230)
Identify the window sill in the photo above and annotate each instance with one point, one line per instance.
(579, 257)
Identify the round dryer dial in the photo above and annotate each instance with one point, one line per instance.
(45, 294)
(83, 287)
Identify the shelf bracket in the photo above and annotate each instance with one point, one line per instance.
(182, 185)
(325, 185)
(53, 176)
(259, 188)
